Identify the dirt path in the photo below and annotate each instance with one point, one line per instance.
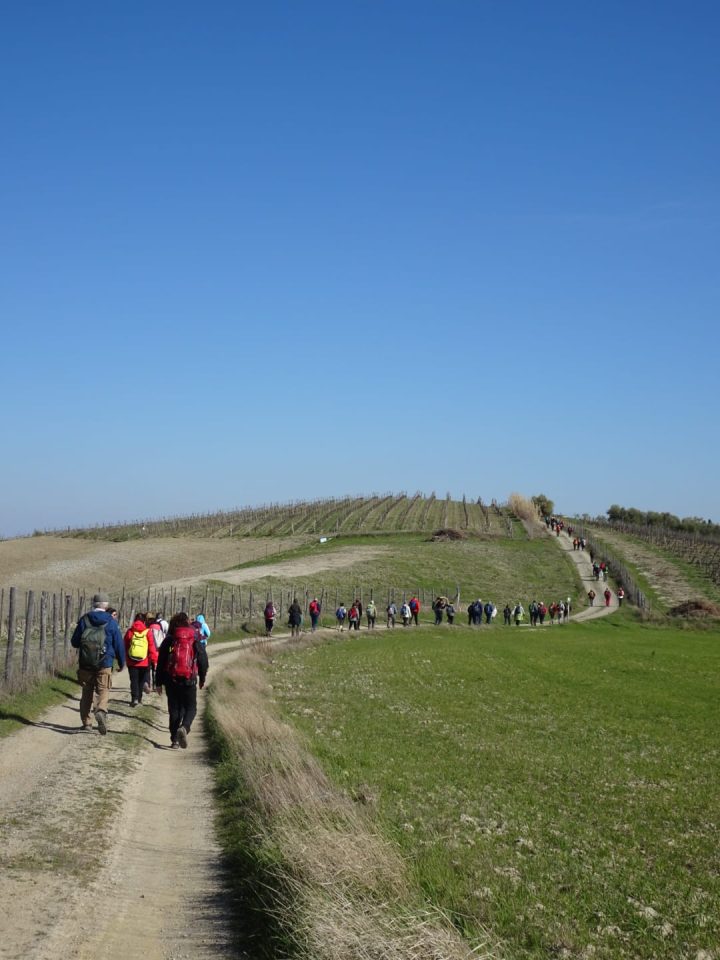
(107, 848)
(582, 561)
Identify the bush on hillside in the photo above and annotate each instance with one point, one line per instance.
(695, 608)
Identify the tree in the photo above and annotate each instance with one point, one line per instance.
(543, 505)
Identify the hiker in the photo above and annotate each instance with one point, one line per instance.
(269, 613)
(471, 613)
(414, 609)
(140, 656)
(182, 661)
(159, 633)
(294, 618)
(314, 609)
(359, 606)
(566, 611)
(438, 608)
(98, 639)
(405, 613)
(478, 612)
(202, 628)
(507, 615)
(391, 614)
(518, 613)
(591, 597)
(450, 612)
(608, 596)
(542, 612)
(354, 617)
(490, 611)
(371, 614)
(620, 596)
(341, 616)
(533, 611)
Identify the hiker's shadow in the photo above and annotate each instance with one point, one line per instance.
(42, 724)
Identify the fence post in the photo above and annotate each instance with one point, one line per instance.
(68, 608)
(43, 628)
(29, 617)
(11, 636)
(55, 627)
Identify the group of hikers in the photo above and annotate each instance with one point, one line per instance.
(408, 613)
(159, 655)
(607, 594)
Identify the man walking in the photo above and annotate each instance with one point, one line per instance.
(98, 639)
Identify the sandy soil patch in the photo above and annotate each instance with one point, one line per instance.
(54, 563)
(293, 569)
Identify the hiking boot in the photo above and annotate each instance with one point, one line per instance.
(101, 720)
(133, 703)
(182, 737)
(86, 728)
(174, 745)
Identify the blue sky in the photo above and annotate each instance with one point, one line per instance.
(260, 252)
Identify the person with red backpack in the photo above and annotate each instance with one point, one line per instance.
(314, 610)
(140, 655)
(182, 662)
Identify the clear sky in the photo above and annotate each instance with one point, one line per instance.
(258, 252)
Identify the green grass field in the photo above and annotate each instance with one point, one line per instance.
(558, 787)
(497, 569)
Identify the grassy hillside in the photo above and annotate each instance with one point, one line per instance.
(496, 569)
(557, 787)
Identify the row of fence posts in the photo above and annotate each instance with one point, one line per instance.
(38, 626)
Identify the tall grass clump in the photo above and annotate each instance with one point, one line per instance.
(526, 511)
(314, 878)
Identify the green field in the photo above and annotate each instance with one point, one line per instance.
(495, 569)
(557, 787)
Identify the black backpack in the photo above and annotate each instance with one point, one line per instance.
(92, 645)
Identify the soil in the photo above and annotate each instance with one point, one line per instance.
(335, 559)
(107, 842)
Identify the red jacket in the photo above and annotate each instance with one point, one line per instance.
(152, 654)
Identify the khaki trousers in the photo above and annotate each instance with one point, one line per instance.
(94, 683)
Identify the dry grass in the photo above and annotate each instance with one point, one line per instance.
(340, 890)
(526, 511)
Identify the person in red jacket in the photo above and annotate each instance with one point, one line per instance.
(608, 596)
(414, 609)
(140, 655)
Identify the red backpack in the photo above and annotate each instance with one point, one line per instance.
(182, 664)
